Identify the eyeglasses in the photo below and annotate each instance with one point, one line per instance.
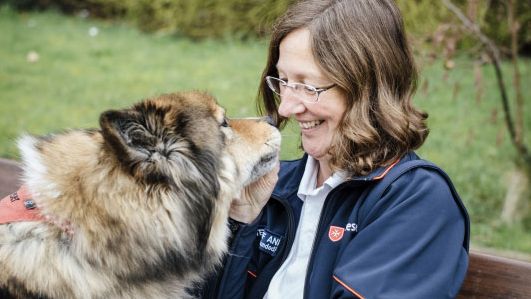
(305, 92)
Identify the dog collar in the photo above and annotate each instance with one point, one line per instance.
(19, 206)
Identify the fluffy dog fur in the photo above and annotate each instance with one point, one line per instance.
(147, 196)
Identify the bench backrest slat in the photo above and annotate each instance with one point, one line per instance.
(492, 276)
(10, 173)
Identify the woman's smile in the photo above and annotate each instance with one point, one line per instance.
(309, 125)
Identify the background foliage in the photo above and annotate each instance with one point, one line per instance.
(196, 19)
(253, 18)
(429, 21)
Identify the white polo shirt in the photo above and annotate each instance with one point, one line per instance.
(288, 281)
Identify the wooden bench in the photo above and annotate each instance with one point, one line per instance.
(489, 276)
(10, 173)
(493, 277)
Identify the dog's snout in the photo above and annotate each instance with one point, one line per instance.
(268, 119)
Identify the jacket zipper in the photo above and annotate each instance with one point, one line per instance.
(324, 216)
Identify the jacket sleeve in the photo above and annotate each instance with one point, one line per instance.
(233, 277)
(409, 244)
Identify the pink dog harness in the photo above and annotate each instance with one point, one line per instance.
(19, 206)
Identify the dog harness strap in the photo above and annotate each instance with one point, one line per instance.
(19, 206)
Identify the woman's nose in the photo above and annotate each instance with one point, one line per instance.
(290, 104)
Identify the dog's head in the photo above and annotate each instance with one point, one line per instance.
(183, 143)
(185, 138)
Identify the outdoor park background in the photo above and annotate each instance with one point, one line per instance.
(64, 62)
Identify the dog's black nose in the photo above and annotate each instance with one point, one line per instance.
(270, 120)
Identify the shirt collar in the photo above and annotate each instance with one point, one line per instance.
(308, 182)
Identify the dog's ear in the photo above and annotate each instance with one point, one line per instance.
(127, 136)
(124, 132)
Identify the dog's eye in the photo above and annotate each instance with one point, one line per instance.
(225, 123)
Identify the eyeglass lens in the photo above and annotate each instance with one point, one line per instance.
(304, 91)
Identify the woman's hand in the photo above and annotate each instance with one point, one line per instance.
(254, 197)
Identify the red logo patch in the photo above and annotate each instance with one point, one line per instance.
(335, 233)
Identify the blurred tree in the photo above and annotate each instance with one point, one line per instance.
(515, 129)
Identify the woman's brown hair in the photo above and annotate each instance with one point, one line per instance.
(361, 46)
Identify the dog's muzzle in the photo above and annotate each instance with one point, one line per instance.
(268, 119)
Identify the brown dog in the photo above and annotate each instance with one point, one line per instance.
(136, 209)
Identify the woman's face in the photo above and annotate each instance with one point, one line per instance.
(318, 121)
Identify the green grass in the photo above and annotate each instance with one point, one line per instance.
(78, 76)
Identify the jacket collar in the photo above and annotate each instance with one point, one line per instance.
(291, 172)
(289, 177)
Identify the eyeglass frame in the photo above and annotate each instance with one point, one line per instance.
(318, 90)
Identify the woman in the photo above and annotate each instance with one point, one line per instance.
(353, 218)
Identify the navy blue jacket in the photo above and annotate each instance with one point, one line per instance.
(399, 232)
